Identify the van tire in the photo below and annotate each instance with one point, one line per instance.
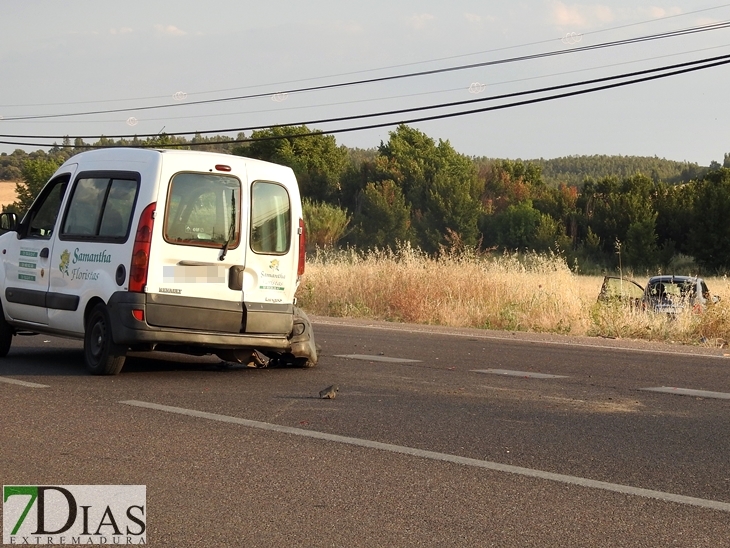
(101, 354)
(6, 335)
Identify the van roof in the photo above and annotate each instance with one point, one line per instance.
(148, 155)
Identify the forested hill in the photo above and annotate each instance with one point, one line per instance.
(572, 170)
(421, 192)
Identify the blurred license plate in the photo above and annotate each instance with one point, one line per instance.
(193, 274)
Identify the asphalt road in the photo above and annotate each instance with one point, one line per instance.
(435, 451)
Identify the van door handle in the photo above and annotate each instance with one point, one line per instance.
(235, 277)
(44, 253)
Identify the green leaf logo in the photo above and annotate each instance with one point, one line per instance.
(65, 259)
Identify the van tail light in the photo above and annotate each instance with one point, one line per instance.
(302, 247)
(141, 250)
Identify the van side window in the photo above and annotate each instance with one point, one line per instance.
(100, 208)
(270, 218)
(41, 219)
(119, 206)
(203, 210)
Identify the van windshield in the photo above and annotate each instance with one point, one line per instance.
(203, 210)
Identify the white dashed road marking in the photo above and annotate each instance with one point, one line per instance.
(526, 374)
(23, 383)
(688, 392)
(444, 457)
(378, 358)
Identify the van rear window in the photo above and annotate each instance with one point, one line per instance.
(270, 218)
(203, 210)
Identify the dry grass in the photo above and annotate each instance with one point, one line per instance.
(7, 193)
(536, 293)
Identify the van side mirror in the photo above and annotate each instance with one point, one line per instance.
(8, 222)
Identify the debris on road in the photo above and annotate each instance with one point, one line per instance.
(329, 393)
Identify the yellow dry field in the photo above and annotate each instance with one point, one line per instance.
(7, 193)
(537, 293)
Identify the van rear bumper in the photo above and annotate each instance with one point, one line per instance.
(129, 331)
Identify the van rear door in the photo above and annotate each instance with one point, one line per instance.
(270, 279)
(196, 246)
(224, 253)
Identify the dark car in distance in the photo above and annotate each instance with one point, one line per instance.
(668, 294)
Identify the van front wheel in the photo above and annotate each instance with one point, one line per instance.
(6, 335)
(102, 356)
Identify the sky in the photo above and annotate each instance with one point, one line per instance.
(143, 67)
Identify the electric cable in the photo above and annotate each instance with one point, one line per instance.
(659, 36)
(724, 60)
(389, 67)
(379, 99)
(674, 67)
(389, 97)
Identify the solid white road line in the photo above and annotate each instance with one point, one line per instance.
(444, 457)
(370, 358)
(688, 392)
(23, 383)
(525, 374)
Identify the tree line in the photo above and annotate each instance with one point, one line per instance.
(417, 190)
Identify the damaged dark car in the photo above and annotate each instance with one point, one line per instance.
(668, 294)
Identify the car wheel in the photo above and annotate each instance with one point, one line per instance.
(6, 335)
(102, 355)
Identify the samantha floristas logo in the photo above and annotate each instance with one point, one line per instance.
(74, 514)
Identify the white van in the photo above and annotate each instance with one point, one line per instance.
(172, 250)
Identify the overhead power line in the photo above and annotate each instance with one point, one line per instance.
(389, 67)
(615, 43)
(648, 75)
(492, 84)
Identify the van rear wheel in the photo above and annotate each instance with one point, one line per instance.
(102, 355)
